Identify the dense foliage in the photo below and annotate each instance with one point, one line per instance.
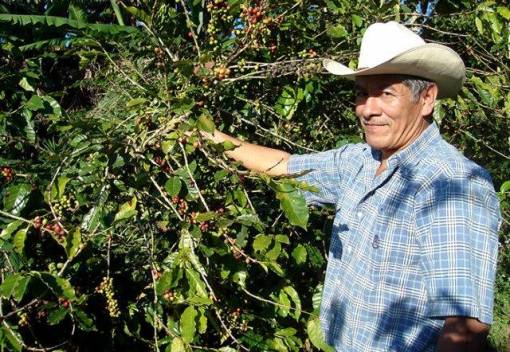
(123, 230)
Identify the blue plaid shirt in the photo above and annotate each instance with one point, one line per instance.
(409, 247)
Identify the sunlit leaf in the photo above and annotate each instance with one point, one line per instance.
(188, 324)
(313, 328)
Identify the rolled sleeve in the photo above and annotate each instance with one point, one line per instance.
(457, 222)
(322, 170)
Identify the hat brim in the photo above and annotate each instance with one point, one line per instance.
(431, 61)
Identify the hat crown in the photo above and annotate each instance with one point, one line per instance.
(384, 41)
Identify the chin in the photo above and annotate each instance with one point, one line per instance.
(376, 143)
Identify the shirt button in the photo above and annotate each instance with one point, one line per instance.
(375, 242)
(359, 215)
(349, 249)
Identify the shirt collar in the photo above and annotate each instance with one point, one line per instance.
(414, 152)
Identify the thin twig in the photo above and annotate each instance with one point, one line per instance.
(190, 27)
(162, 193)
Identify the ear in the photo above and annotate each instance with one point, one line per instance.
(428, 100)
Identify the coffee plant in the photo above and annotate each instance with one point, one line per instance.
(122, 228)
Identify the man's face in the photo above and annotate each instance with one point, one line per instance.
(389, 116)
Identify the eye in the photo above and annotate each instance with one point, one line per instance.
(387, 93)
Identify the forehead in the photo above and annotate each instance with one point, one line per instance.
(379, 82)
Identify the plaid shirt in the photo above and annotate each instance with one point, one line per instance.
(409, 247)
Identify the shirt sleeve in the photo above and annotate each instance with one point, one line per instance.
(457, 223)
(322, 170)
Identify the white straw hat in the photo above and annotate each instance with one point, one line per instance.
(391, 48)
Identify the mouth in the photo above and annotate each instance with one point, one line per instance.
(371, 126)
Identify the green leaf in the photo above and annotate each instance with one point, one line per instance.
(178, 345)
(73, 243)
(504, 12)
(127, 210)
(284, 301)
(76, 13)
(313, 328)
(196, 283)
(57, 316)
(479, 25)
(58, 188)
(188, 325)
(240, 278)
(202, 322)
(274, 253)
(19, 240)
(34, 103)
(10, 229)
(209, 215)
(282, 239)
(288, 102)
(57, 110)
(287, 332)
(135, 102)
(29, 126)
(261, 243)
(14, 286)
(337, 32)
(23, 83)
(59, 286)
(314, 255)
(55, 21)
(317, 297)
(140, 15)
(293, 204)
(91, 220)
(13, 337)
(357, 20)
(205, 123)
(299, 254)
(505, 187)
(173, 186)
(295, 299)
(85, 322)
(16, 198)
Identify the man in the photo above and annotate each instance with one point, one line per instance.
(413, 252)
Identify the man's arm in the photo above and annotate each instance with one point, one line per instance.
(462, 334)
(254, 157)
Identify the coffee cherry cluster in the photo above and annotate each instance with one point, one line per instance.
(257, 27)
(64, 302)
(65, 203)
(219, 12)
(38, 222)
(221, 72)
(56, 229)
(235, 313)
(204, 226)
(310, 53)
(23, 319)
(160, 57)
(106, 288)
(182, 206)
(252, 14)
(169, 296)
(163, 164)
(7, 173)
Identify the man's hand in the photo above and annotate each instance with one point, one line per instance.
(462, 334)
(254, 157)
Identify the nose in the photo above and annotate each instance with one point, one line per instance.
(369, 107)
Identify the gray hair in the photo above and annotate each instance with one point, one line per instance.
(416, 85)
